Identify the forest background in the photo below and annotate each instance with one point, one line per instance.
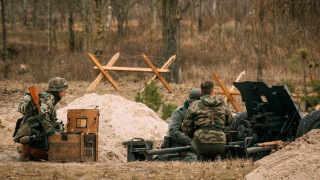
(42, 39)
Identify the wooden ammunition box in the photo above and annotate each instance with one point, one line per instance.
(84, 120)
(73, 147)
(80, 142)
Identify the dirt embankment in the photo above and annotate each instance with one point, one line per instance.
(298, 160)
(120, 120)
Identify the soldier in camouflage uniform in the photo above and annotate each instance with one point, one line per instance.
(178, 138)
(205, 123)
(36, 127)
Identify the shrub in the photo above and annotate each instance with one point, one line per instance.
(167, 110)
(312, 99)
(289, 84)
(151, 96)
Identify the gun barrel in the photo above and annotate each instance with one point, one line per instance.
(168, 150)
(251, 150)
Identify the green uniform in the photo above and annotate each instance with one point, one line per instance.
(205, 123)
(42, 124)
(178, 138)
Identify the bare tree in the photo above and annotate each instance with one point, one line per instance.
(121, 11)
(4, 37)
(220, 20)
(49, 29)
(169, 44)
(25, 14)
(200, 17)
(98, 38)
(70, 27)
(11, 17)
(260, 40)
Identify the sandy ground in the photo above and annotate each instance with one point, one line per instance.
(298, 160)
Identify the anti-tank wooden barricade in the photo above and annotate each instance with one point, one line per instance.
(109, 67)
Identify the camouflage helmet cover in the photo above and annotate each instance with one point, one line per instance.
(194, 95)
(57, 84)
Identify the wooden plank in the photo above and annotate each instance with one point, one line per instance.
(157, 73)
(104, 72)
(237, 80)
(165, 66)
(227, 93)
(100, 76)
(132, 69)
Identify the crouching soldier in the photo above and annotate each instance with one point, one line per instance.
(176, 137)
(34, 128)
(205, 123)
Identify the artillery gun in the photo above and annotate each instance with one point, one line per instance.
(272, 117)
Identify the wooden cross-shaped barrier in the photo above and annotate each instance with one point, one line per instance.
(109, 67)
(227, 93)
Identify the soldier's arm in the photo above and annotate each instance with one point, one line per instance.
(229, 118)
(44, 116)
(175, 130)
(188, 124)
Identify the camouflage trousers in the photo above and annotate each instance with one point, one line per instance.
(209, 149)
(26, 129)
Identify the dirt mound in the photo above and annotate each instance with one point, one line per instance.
(298, 160)
(119, 121)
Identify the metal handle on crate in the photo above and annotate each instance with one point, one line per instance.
(131, 143)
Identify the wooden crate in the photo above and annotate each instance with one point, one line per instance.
(73, 147)
(84, 120)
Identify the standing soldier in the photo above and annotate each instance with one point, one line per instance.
(205, 123)
(37, 125)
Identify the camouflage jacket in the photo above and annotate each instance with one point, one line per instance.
(177, 136)
(46, 117)
(206, 120)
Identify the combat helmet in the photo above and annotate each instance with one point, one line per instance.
(57, 84)
(194, 95)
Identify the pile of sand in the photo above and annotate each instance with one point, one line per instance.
(298, 160)
(120, 120)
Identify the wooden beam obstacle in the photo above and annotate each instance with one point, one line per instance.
(109, 67)
(227, 92)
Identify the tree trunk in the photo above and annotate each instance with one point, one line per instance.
(12, 18)
(70, 28)
(253, 23)
(98, 38)
(200, 17)
(153, 23)
(49, 29)
(236, 18)
(260, 40)
(192, 18)
(121, 10)
(220, 21)
(109, 15)
(34, 14)
(25, 14)
(169, 46)
(4, 38)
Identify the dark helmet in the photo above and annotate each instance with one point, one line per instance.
(57, 84)
(194, 95)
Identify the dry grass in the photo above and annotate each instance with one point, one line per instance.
(235, 169)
